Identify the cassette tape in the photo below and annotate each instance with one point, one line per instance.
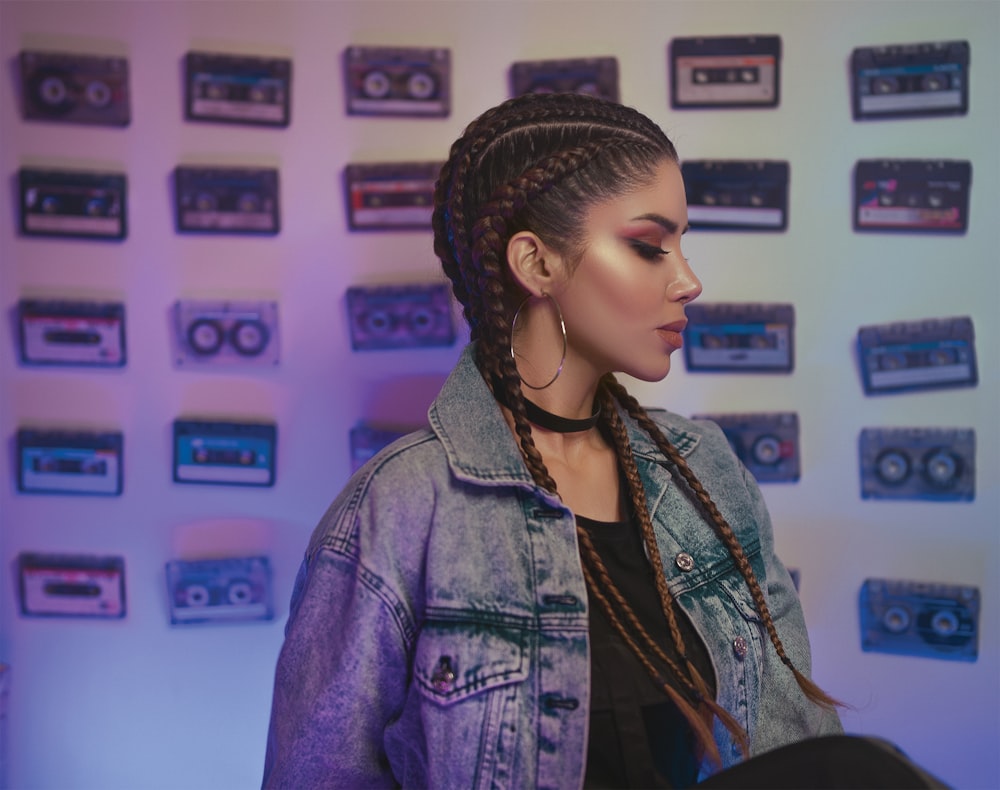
(227, 200)
(390, 196)
(917, 355)
(71, 333)
(400, 316)
(73, 88)
(219, 590)
(737, 195)
(409, 81)
(367, 439)
(918, 463)
(923, 619)
(589, 76)
(72, 203)
(910, 80)
(237, 89)
(63, 585)
(725, 71)
(69, 462)
(225, 453)
(922, 195)
(750, 337)
(226, 332)
(767, 443)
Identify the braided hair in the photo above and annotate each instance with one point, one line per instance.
(539, 163)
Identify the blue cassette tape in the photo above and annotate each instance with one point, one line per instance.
(75, 88)
(767, 443)
(69, 462)
(709, 72)
(63, 332)
(407, 81)
(237, 89)
(400, 316)
(227, 200)
(912, 195)
(225, 453)
(73, 203)
(919, 619)
(740, 337)
(589, 76)
(749, 195)
(219, 590)
(918, 463)
(917, 355)
(910, 80)
(64, 585)
(367, 439)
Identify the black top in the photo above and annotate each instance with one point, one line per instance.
(638, 737)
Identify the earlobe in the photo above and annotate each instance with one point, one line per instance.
(532, 264)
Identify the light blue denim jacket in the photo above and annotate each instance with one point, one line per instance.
(438, 628)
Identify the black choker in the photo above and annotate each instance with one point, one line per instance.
(546, 419)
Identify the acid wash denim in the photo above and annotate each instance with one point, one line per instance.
(437, 635)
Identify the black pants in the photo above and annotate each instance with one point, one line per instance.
(846, 762)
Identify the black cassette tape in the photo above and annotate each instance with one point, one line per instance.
(737, 195)
(237, 89)
(226, 332)
(725, 71)
(387, 196)
(735, 337)
(73, 88)
(918, 463)
(917, 355)
(923, 195)
(767, 443)
(589, 76)
(69, 462)
(924, 619)
(398, 81)
(225, 453)
(71, 333)
(400, 316)
(910, 80)
(227, 200)
(368, 438)
(72, 203)
(219, 590)
(63, 585)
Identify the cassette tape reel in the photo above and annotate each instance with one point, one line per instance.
(62, 585)
(740, 337)
(72, 88)
(918, 463)
(737, 194)
(725, 71)
(227, 200)
(400, 316)
(917, 355)
(910, 80)
(237, 89)
(589, 76)
(912, 195)
(766, 443)
(56, 332)
(78, 204)
(225, 453)
(226, 332)
(408, 81)
(919, 619)
(69, 462)
(231, 589)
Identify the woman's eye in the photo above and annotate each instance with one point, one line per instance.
(648, 251)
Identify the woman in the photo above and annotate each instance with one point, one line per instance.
(549, 586)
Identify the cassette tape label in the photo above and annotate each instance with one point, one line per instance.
(919, 619)
(72, 88)
(232, 589)
(226, 333)
(589, 76)
(725, 71)
(238, 89)
(56, 585)
(403, 316)
(69, 462)
(935, 464)
(737, 195)
(767, 443)
(398, 81)
(748, 337)
(226, 453)
(71, 333)
(72, 203)
(227, 200)
(912, 195)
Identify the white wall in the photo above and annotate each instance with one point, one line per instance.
(139, 704)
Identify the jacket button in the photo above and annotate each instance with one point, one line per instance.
(443, 677)
(740, 647)
(684, 561)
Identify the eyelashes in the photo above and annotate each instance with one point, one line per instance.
(649, 252)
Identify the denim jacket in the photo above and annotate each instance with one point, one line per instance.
(438, 631)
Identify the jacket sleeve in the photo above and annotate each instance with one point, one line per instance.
(338, 680)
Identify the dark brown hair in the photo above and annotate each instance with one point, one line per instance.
(540, 162)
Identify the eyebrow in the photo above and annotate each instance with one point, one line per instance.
(667, 224)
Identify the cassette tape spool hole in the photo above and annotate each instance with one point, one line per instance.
(896, 619)
(942, 468)
(892, 467)
(767, 450)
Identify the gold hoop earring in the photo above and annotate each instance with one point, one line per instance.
(562, 326)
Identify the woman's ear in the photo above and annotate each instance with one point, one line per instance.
(535, 266)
